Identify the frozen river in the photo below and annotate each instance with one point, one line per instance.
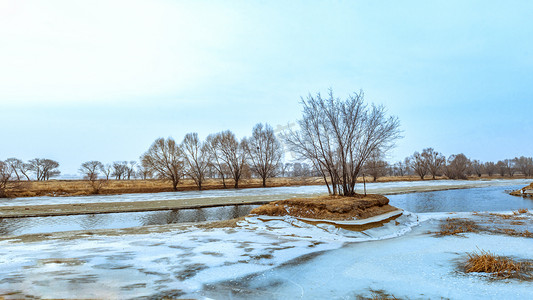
(268, 259)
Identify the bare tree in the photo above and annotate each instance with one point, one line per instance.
(419, 164)
(489, 167)
(16, 165)
(107, 170)
(44, 168)
(375, 166)
(524, 165)
(400, 169)
(213, 144)
(509, 167)
(337, 137)
(457, 166)
(233, 154)
(501, 166)
(264, 151)
(434, 161)
(196, 158)
(165, 159)
(129, 170)
(5, 175)
(120, 169)
(90, 169)
(477, 167)
(143, 172)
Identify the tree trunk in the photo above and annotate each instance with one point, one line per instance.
(264, 181)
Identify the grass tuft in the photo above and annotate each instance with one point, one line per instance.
(498, 266)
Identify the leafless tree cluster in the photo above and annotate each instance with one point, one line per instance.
(458, 166)
(41, 168)
(221, 155)
(338, 136)
(376, 166)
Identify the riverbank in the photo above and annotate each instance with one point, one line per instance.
(62, 188)
(57, 206)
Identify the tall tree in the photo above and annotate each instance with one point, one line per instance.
(337, 137)
(457, 166)
(165, 158)
(265, 152)
(196, 158)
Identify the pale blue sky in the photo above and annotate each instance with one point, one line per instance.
(100, 80)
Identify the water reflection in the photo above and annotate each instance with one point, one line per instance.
(18, 226)
(476, 199)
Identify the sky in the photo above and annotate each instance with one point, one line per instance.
(101, 80)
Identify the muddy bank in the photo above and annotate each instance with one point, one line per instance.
(335, 208)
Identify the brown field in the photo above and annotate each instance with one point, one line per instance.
(114, 187)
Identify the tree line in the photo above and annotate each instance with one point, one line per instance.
(432, 164)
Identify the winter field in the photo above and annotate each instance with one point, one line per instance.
(266, 258)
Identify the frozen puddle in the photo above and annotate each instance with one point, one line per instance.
(271, 259)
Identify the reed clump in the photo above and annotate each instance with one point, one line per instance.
(498, 266)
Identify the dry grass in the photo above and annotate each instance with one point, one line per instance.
(113, 187)
(521, 211)
(453, 226)
(498, 266)
(328, 207)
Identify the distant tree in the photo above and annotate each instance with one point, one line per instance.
(477, 167)
(16, 165)
(265, 152)
(129, 170)
(400, 169)
(120, 169)
(143, 172)
(337, 137)
(419, 164)
(489, 167)
(90, 169)
(509, 167)
(435, 161)
(107, 170)
(5, 175)
(196, 154)
(213, 144)
(165, 159)
(524, 165)
(233, 154)
(457, 166)
(375, 166)
(44, 168)
(501, 166)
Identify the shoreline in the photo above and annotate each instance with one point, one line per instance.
(23, 211)
(62, 188)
